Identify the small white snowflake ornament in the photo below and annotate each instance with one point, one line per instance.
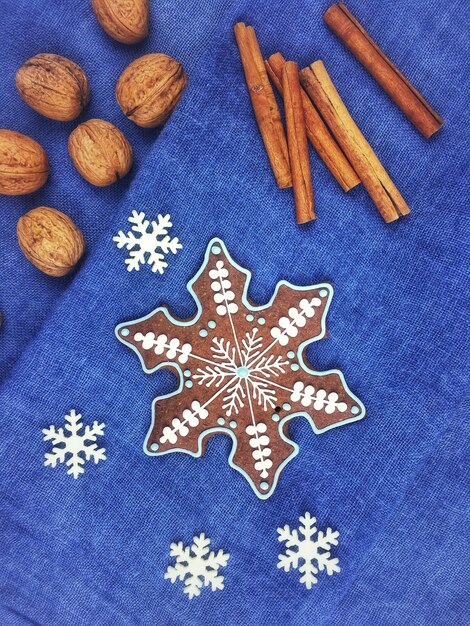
(149, 246)
(197, 566)
(313, 550)
(74, 448)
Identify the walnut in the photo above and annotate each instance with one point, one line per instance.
(53, 86)
(50, 240)
(123, 20)
(149, 89)
(24, 166)
(100, 152)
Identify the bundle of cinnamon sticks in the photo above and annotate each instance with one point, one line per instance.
(314, 111)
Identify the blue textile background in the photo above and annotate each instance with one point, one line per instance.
(93, 551)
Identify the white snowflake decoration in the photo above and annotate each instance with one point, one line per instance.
(197, 566)
(311, 549)
(149, 246)
(74, 444)
(255, 367)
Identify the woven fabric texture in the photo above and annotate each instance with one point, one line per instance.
(93, 551)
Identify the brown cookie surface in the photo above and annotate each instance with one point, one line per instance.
(242, 370)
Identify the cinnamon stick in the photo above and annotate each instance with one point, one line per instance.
(264, 104)
(317, 132)
(377, 182)
(297, 144)
(385, 72)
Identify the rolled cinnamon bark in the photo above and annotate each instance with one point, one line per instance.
(264, 104)
(297, 144)
(398, 87)
(378, 184)
(317, 132)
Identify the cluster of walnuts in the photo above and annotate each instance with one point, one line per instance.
(147, 92)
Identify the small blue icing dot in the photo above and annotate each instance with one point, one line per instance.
(203, 332)
(125, 332)
(355, 410)
(294, 367)
(242, 372)
(189, 383)
(233, 424)
(212, 324)
(187, 373)
(261, 320)
(216, 250)
(264, 485)
(324, 293)
(275, 417)
(221, 421)
(250, 317)
(286, 406)
(290, 354)
(154, 447)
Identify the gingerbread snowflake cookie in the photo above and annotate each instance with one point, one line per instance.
(242, 370)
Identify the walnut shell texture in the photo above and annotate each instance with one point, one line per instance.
(53, 86)
(50, 240)
(125, 21)
(24, 166)
(100, 152)
(149, 89)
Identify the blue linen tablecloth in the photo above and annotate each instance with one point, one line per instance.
(93, 551)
